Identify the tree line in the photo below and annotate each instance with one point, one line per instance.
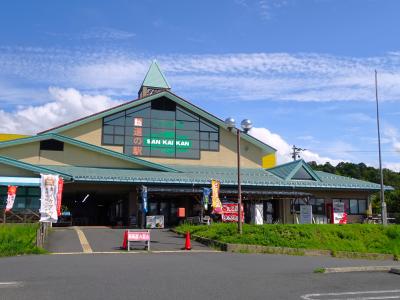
(364, 172)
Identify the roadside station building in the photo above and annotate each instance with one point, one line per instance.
(174, 148)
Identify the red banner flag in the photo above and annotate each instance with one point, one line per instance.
(59, 195)
(12, 191)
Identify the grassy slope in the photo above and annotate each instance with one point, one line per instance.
(17, 239)
(352, 237)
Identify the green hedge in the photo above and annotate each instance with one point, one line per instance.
(366, 238)
(18, 239)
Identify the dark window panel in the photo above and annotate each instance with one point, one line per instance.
(168, 124)
(204, 136)
(51, 145)
(185, 125)
(108, 139)
(115, 119)
(164, 104)
(107, 129)
(214, 136)
(184, 115)
(162, 152)
(162, 133)
(185, 134)
(214, 146)
(118, 140)
(162, 114)
(119, 130)
(206, 126)
(193, 154)
(204, 145)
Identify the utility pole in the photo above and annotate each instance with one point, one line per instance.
(296, 152)
(383, 203)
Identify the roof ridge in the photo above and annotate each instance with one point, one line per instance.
(27, 166)
(88, 146)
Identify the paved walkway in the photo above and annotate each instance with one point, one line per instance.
(105, 239)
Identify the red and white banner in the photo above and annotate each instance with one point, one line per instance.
(339, 213)
(59, 195)
(138, 236)
(48, 198)
(11, 193)
(230, 212)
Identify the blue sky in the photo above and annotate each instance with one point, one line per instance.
(302, 71)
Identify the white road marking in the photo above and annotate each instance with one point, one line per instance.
(10, 284)
(83, 240)
(365, 295)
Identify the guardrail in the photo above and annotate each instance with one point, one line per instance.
(19, 216)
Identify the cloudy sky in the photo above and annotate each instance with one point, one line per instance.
(301, 70)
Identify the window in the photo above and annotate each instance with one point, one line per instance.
(160, 129)
(354, 206)
(51, 145)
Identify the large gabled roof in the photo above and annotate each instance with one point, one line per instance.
(201, 176)
(168, 94)
(29, 167)
(86, 146)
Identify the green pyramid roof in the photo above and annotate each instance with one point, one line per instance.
(155, 78)
(289, 170)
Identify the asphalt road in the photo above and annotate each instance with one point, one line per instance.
(187, 276)
(104, 239)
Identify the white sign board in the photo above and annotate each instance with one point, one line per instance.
(257, 214)
(155, 221)
(339, 213)
(306, 214)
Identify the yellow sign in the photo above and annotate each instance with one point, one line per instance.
(216, 203)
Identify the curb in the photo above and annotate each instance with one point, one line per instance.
(358, 269)
(395, 271)
(245, 248)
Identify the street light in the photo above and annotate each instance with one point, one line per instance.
(246, 125)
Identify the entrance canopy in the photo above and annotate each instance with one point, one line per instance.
(20, 181)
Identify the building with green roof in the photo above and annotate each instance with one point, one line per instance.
(165, 145)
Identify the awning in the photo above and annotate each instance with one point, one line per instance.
(197, 190)
(20, 181)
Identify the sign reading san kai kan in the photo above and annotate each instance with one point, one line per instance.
(167, 142)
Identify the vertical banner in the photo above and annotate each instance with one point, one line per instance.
(59, 195)
(206, 197)
(48, 198)
(216, 202)
(339, 213)
(11, 193)
(144, 199)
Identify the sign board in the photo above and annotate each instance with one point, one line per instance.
(339, 213)
(257, 213)
(230, 212)
(306, 214)
(155, 221)
(138, 236)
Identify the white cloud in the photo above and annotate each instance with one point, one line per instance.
(284, 149)
(67, 105)
(260, 76)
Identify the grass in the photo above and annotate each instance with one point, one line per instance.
(18, 239)
(364, 238)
